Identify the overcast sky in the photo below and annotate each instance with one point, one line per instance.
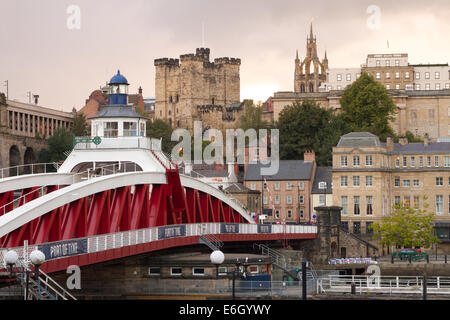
(41, 54)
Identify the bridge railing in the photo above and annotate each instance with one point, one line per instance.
(134, 237)
(134, 142)
(30, 168)
(123, 166)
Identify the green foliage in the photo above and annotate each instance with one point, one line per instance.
(307, 126)
(60, 142)
(252, 117)
(367, 106)
(80, 127)
(158, 128)
(406, 227)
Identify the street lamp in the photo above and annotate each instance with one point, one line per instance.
(217, 257)
(37, 258)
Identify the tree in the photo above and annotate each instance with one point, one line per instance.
(367, 106)
(406, 227)
(252, 117)
(307, 126)
(159, 128)
(80, 126)
(58, 144)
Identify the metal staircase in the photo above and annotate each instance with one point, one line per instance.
(43, 288)
(285, 263)
(211, 241)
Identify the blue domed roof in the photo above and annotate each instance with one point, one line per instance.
(118, 79)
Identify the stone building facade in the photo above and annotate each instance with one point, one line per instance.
(369, 177)
(418, 111)
(194, 88)
(24, 129)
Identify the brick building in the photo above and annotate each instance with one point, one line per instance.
(286, 196)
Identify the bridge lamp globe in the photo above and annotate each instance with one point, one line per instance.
(11, 258)
(217, 257)
(37, 258)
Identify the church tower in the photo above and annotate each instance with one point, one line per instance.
(311, 72)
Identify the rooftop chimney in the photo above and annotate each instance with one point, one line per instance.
(426, 140)
(36, 98)
(309, 156)
(403, 141)
(390, 144)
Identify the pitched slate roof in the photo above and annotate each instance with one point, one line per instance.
(420, 148)
(288, 170)
(322, 174)
(117, 111)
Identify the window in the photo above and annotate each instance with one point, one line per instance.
(265, 200)
(416, 202)
(397, 86)
(154, 271)
(322, 200)
(428, 161)
(418, 86)
(344, 225)
(439, 181)
(421, 161)
(344, 205)
(378, 63)
(396, 182)
(406, 75)
(356, 211)
(359, 75)
(339, 87)
(356, 227)
(110, 129)
(343, 161)
(397, 162)
(437, 86)
(339, 77)
(405, 161)
(356, 161)
(377, 76)
(397, 75)
(142, 129)
(289, 214)
(253, 269)
(437, 75)
(387, 63)
(369, 181)
(197, 271)
(276, 186)
(344, 181)
(356, 181)
(417, 75)
(222, 271)
(427, 75)
(289, 199)
(277, 199)
(447, 161)
(416, 182)
(129, 129)
(397, 200)
(406, 201)
(436, 161)
(369, 161)
(369, 229)
(388, 75)
(397, 63)
(253, 186)
(176, 271)
(427, 86)
(447, 86)
(439, 204)
(348, 77)
(388, 87)
(369, 203)
(413, 162)
(301, 186)
(406, 183)
(301, 199)
(288, 186)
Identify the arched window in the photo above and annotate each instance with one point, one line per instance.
(311, 87)
(302, 88)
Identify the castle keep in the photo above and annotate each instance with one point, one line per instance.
(193, 88)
